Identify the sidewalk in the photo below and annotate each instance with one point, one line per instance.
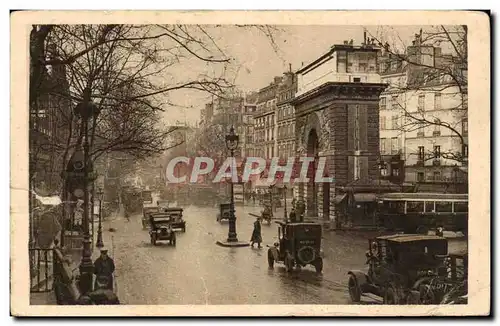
(43, 298)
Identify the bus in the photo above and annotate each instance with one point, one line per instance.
(420, 212)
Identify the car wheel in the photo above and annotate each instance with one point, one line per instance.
(270, 259)
(354, 289)
(174, 240)
(319, 265)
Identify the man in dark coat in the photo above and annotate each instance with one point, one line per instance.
(104, 266)
(256, 234)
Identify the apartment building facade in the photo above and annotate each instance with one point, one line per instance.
(249, 108)
(285, 116)
(423, 119)
(265, 120)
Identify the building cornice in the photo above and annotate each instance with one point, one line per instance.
(341, 89)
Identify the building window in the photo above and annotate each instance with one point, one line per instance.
(420, 176)
(437, 101)
(465, 127)
(394, 145)
(382, 103)
(421, 153)
(383, 170)
(421, 103)
(382, 123)
(394, 102)
(395, 172)
(437, 128)
(437, 151)
(341, 61)
(395, 124)
(382, 145)
(421, 130)
(394, 65)
(436, 176)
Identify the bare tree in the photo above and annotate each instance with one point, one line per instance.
(121, 65)
(445, 73)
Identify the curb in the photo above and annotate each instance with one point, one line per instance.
(238, 244)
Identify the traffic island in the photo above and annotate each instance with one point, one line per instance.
(233, 244)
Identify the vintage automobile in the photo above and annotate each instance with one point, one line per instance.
(161, 228)
(145, 215)
(397, 267)
(225, 211)
(299, 245)
(176, 214)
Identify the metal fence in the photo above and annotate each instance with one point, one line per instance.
(41, 269)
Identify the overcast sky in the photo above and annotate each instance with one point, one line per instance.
(258, 62)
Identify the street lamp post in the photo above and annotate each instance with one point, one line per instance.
(80, 173)
(232, 140)
(99, 242)
(232, 143)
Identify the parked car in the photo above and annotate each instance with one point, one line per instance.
(398, 265)
(299, 245)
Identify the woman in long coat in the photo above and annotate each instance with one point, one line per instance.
(256, 234)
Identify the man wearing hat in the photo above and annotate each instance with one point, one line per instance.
(104, 266)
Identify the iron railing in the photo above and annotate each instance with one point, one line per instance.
(41, 269)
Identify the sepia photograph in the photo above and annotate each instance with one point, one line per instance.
(177, 162)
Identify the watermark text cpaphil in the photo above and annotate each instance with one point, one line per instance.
(183, 169)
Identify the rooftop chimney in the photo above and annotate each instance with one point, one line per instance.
(346, 42)
(290, 67)
(364, 37)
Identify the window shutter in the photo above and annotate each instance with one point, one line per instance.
(363, 127)
(363, 167)
(351, 126)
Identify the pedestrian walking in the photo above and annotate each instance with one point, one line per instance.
(104, 266)
(256, 234)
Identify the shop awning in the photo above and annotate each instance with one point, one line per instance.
(49, 201)
(365, 197)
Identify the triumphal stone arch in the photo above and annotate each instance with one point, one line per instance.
(338, 121)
